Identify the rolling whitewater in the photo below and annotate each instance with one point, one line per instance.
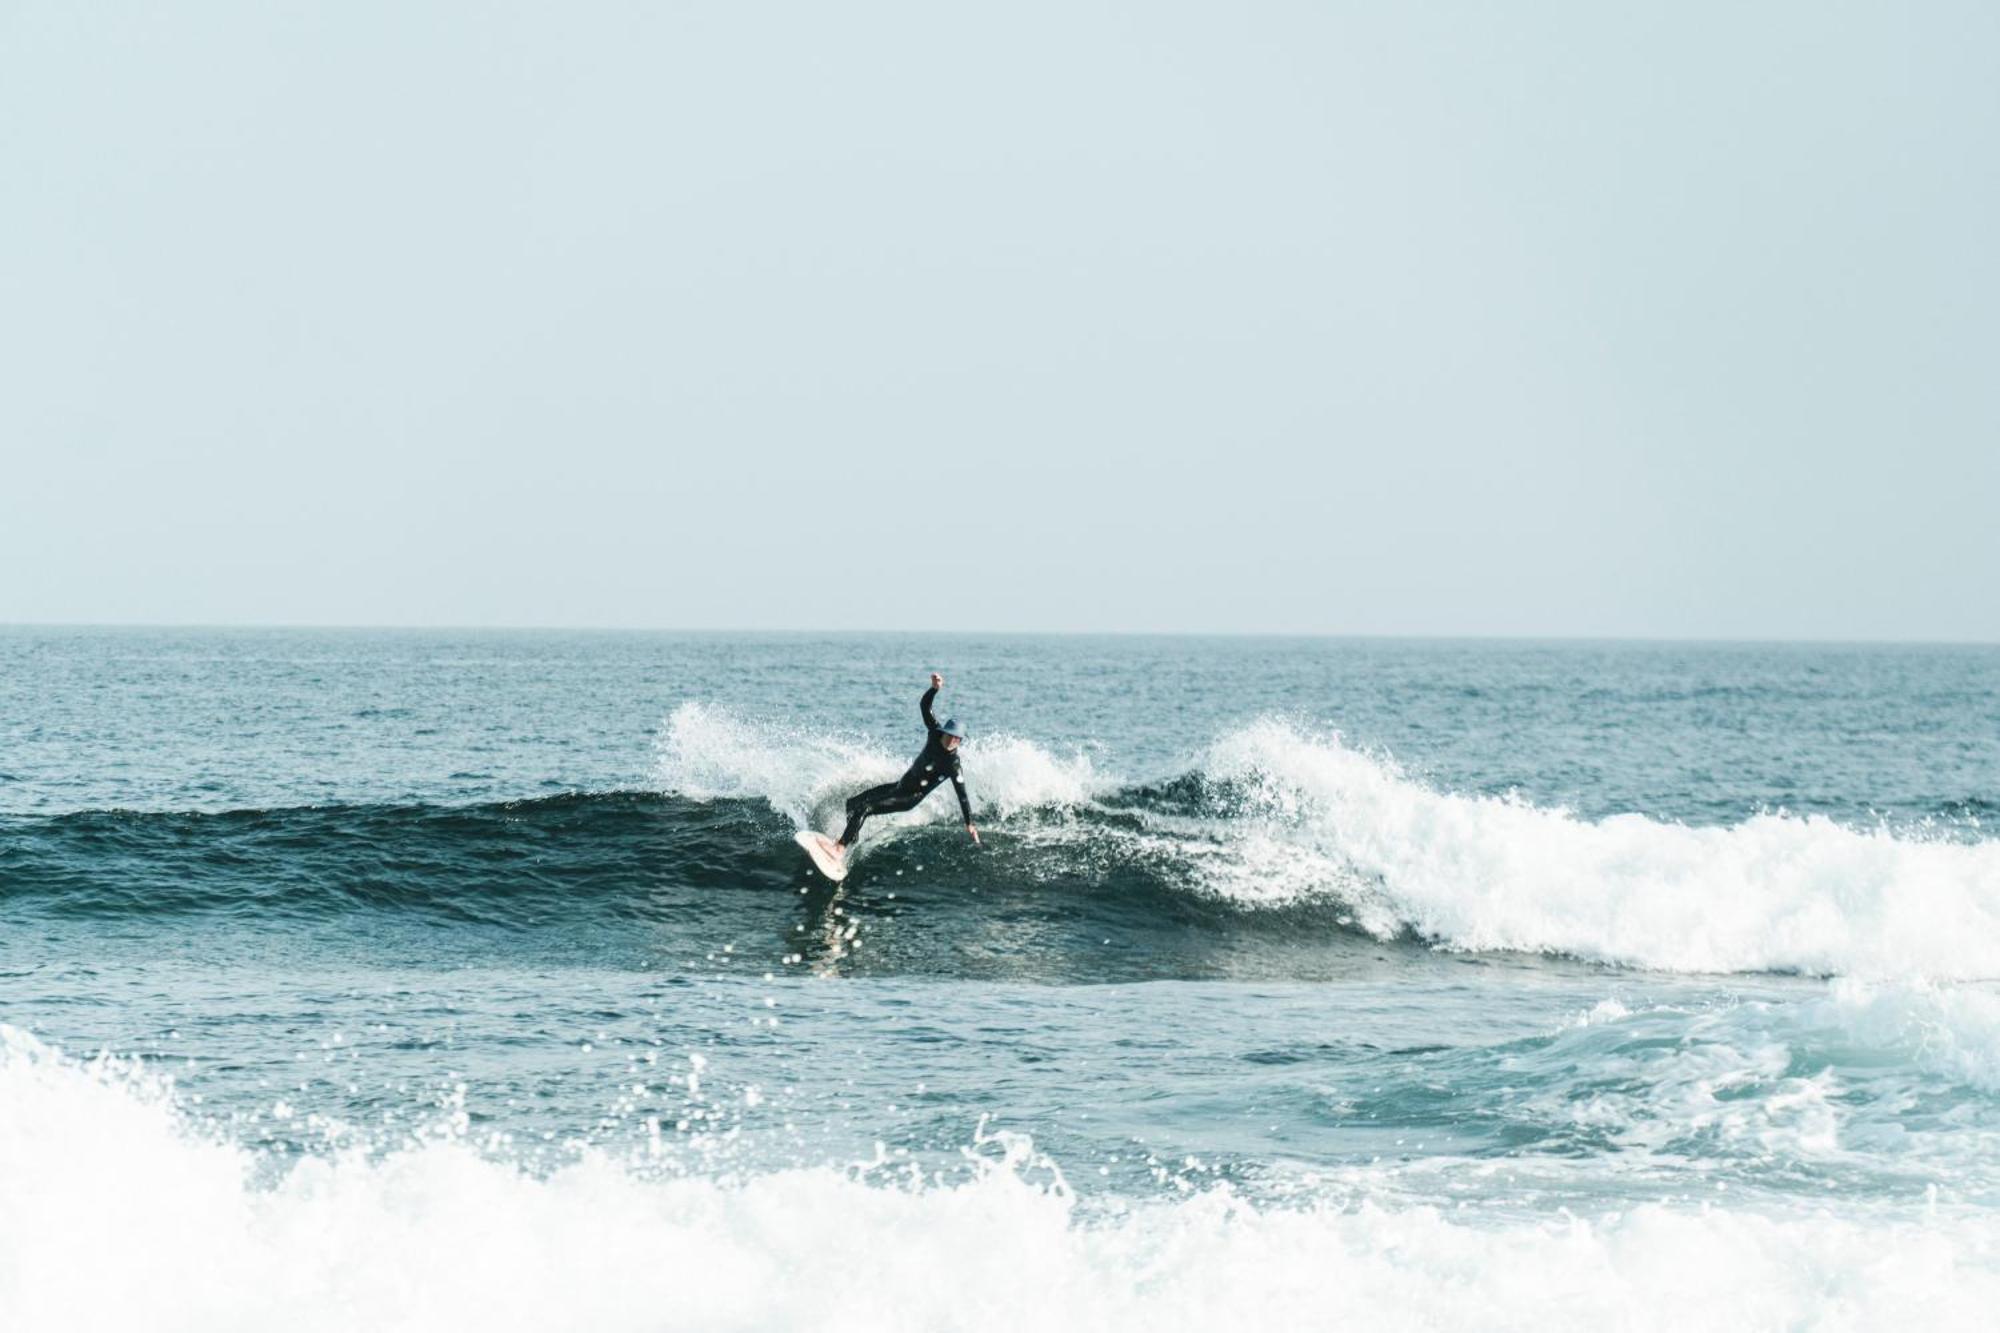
(474, 980)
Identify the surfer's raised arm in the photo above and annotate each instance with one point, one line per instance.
(924, 706)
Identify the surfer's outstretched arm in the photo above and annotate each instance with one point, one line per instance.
(964, 805)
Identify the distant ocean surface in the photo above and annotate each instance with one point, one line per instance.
(378, 980)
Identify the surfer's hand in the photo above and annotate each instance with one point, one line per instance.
(937, 681)
(975, 834)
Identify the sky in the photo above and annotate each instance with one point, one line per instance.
(1675, 320)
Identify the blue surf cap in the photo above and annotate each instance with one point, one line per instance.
(951, 728)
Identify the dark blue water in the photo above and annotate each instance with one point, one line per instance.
(1347, 977)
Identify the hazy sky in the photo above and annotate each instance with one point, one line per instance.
(1653, 319)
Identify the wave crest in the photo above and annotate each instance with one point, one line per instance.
(1772, 893)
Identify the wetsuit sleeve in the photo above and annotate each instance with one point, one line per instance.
(964, 801)
(924, 707)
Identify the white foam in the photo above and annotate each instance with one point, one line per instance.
(113, 1214)
(1774, 892)
(1951, 1031)
(1779, 1082)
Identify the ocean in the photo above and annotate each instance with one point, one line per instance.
(472, 980)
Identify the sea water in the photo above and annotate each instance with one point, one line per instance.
(472, 980)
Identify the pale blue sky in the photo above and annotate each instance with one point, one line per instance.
(1661, 319)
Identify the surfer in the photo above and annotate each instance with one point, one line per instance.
(938, 762)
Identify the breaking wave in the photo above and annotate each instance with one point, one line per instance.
(1271, 834)
(1269, 816)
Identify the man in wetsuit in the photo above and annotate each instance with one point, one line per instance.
(938, 762)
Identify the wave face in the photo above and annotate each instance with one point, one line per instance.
(1276, 851)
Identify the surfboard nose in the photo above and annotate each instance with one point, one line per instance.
(826, 857)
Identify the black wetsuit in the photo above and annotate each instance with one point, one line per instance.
(933, 766)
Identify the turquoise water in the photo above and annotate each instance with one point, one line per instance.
(473, 980)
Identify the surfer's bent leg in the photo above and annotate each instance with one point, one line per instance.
(859, 807)
(887, 799)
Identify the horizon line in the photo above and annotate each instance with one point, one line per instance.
(1417, 636)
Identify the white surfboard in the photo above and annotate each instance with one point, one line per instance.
(820, 848)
